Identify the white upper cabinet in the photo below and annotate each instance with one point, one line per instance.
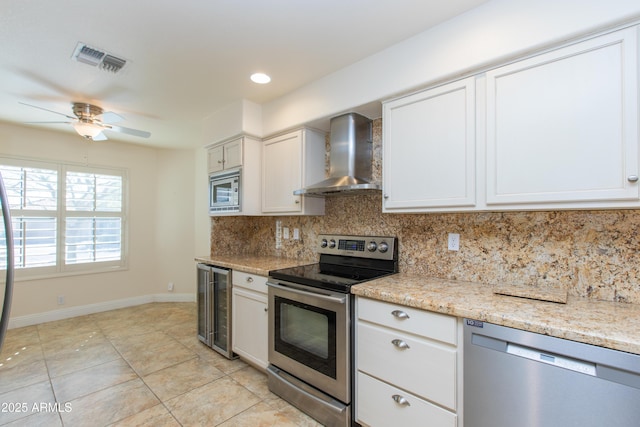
(562, 127)
(558, 130)
(290, 162)
(227, 155)
(244, 153)
(429, 150)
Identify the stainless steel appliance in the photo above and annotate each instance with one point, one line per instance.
(350, 159)
(224, 191)
(311, 321)
(518, 378)
(214, 308)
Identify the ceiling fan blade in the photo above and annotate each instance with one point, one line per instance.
(129, 131)
(43, 123)
(110, 117)
(100, 137)
(45, 109)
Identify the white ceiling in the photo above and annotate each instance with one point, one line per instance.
(188, 58)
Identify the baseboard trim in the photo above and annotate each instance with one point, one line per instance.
(66, 313)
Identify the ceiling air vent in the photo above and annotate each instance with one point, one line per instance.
(97, 58)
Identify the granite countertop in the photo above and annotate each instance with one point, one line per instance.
(602, 323)
(254, 264)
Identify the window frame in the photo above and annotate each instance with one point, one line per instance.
(61, 269)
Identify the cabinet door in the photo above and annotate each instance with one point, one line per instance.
(282, 173)
(250, 332)
(562, 126)
(233, 154)
(225, 156)
(429, 149)
(215, 159)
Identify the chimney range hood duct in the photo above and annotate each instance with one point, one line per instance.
(350, 159)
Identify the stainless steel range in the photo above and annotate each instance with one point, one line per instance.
(311, 323)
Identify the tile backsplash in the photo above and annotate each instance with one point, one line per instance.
(594, 254)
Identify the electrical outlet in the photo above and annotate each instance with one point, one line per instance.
(60, 299)
(278, 234)
(285, 233)
(170, 287)
(454, 242)
(296, 234)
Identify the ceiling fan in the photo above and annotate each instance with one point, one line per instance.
(90, 120)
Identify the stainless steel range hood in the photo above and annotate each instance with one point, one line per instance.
(350, 159)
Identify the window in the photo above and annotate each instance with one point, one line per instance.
(66, 218)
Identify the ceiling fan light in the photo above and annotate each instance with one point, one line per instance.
(88, 130)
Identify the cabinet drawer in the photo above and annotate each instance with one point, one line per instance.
(425, 368)
(376, 406)
(249, 281)
(440, 327)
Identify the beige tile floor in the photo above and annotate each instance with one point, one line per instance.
(137, 366)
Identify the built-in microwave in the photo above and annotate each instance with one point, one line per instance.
(224, 191)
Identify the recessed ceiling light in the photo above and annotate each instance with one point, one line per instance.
(260, 78)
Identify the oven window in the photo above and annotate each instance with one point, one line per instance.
(306, 334)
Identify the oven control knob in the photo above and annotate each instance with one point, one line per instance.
(372, 246)
(332, 244)
(323, 243)
(383, 247)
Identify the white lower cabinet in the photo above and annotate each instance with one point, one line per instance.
(381, 404)
(250, 318)
(407, 365)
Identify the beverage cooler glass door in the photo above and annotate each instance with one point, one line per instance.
(204, 284)
(214, 308)
(221, 311)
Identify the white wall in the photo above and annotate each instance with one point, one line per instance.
(201, 219)
(161, 226)
(239, 117)
(175, 232)
(490, 34)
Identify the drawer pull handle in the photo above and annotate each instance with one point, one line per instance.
(400, 400)
(400, 344)
(633, 178)
(249, 279)
(400, 314)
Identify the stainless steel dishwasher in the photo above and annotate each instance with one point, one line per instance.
(517, 378)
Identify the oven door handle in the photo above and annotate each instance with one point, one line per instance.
(339, 300)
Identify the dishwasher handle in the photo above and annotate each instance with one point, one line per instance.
(610, 373)
(534, 354)
(572, 364)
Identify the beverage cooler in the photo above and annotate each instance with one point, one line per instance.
(214, 308)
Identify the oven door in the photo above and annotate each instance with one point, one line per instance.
(309, 336)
